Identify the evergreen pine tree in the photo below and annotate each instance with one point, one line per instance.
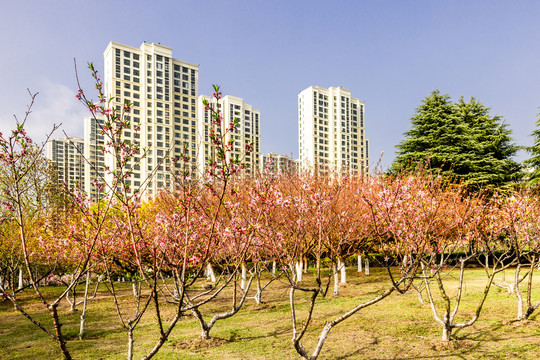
(460, 140)
(533, 163)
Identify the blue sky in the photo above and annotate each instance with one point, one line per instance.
(391, 54)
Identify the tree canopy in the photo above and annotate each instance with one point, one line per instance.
(534, 161)
(460, 140)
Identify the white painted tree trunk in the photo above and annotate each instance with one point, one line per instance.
(85, 306)
(135, 288)
(20, 279)
(335, 272)
(359, 263)
(518, 294)
(258, 294)
(298, 267)
(130, 342)
(210, 275)
(274, 268)
(487, 261)
(244, 277)
(342, 270)
(367, 266)
(447, 332)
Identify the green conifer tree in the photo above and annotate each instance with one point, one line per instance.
(460, 140)
(533, 163)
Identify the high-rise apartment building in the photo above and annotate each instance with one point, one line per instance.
(275, 164)
(248, 131)
(331, 131)
(163, 92)
(94, 172)
(66, 155)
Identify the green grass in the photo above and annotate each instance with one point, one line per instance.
(398, 327)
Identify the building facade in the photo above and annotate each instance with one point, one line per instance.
(247, 132)
(66, 156)
(331, 131)
(163, 92)
(94, 171)
(275, 164)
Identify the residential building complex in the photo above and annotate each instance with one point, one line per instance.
(163, 92)
(171, 125)
(273, 163)
(66, 155)
(331, 131)
(247, 132)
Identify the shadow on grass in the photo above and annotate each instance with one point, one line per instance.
(457, 350)
(456, 346)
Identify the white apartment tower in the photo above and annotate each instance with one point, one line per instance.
(66, 155)
(331, 131)
(163, 91)
(95, 158)
(248, 131)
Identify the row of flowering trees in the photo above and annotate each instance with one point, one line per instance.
(232, 228)
(419, 227)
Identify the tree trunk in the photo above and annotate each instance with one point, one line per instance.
(130, 342)
(135, 288)
(305, 265)
(85, 305)
(205, 331)
(518, 294)
(258, 294)
(359, 263)
(298, 267)
(210, 275)
(73, 301)
(367, 266)
(244, 277)
(343, 270)
(419, 291)
(336, 278)
(58, 330)
(274, 268)
(21, 284)
(447, 332)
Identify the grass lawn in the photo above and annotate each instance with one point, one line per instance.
(398, 327)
